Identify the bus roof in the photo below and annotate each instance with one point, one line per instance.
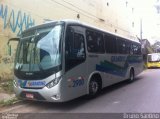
(70, 21)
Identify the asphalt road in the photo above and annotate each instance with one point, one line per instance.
(142, 95)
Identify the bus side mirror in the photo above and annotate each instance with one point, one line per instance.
(9, 46)
(13, 39)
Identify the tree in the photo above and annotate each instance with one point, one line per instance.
(156, 46)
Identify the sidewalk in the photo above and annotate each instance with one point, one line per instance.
(7, 96)
(6, 90)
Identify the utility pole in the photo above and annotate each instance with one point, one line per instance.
(141, 29)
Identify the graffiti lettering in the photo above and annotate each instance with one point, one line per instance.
(118, 58)
(17, 21)
(78, 82)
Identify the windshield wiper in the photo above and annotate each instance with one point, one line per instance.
(20, 66)
(40, 67)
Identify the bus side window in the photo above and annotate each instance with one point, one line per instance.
(95, 41)
(90, 41)
(121, 46)
(100, 43)
(139, 50)
(136, 49)
(74, 48)
(128, 47)
(110, 43)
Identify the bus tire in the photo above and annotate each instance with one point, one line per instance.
(94, 87)
(131, 75)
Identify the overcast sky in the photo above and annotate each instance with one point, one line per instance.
(150, 18)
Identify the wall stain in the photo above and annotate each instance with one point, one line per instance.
(6, 64)
(6, 59)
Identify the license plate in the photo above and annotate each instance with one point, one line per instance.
(29, 95)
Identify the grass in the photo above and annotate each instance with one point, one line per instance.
(7, 87)
(9, 102)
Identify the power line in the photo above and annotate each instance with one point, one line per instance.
(73, 9)
(83, 12)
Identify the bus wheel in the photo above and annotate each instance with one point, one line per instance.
(131, 76)
(94, 87)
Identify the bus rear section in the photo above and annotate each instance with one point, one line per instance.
(153, 60)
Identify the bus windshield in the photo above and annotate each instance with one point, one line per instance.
(39, 50)
(153, 58)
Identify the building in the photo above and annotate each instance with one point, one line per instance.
(118, 16)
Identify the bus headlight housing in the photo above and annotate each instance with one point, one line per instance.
(53, 82)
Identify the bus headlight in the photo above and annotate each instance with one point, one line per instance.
(53, 82)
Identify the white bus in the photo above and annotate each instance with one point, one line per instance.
(63, 60)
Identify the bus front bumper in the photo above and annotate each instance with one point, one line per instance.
(49, 95)
(153, 65)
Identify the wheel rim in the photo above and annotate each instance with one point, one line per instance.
(94, 87)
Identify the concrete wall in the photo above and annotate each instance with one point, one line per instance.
(16, 15)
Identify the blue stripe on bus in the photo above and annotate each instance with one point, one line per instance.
(111, 68)
(121, 73)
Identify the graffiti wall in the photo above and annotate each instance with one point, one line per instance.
(12, 23)
(18, 15)
(15, 21)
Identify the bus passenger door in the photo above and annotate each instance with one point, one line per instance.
(75, 62)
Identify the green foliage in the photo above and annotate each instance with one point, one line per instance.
(7, 86)
(156, 46)
(8, 102)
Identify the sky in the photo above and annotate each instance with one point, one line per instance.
(146, 9)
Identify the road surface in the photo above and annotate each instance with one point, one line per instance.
(143, 95)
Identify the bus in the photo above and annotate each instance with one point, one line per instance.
(153, 60)
(63, 60)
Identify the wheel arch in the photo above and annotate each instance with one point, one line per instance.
(129, 70)
(132, 68)
(98, 76)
